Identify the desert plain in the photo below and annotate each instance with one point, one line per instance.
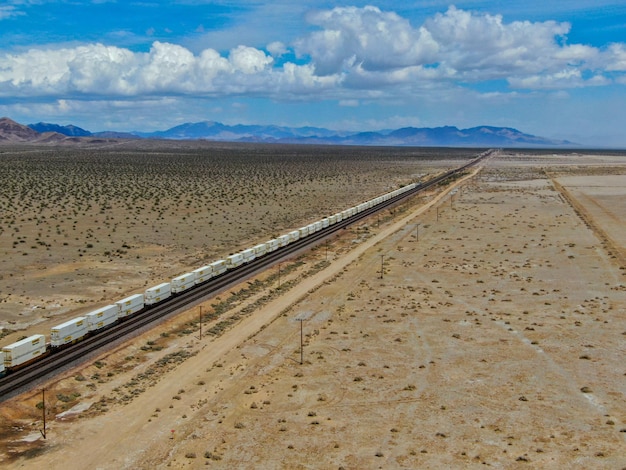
(478, 325)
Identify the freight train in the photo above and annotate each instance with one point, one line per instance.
(32, 348)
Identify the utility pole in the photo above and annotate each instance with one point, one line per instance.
(417, 232)
(301, 320)
(43, 400)
(200, 322)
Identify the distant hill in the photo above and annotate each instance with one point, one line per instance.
(71, 131)
(74, 131)
(240, 132)
(13, 132)
(446, 136)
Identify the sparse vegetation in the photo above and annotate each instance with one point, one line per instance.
(451, 369)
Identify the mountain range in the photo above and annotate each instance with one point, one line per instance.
(447, 136)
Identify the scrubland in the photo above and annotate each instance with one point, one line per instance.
(476, 326)
(80, 228)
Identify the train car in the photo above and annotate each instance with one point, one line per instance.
(303, 231)
(69, 332)
(283, 240)
(129, 305)
(260, 249)
(234, 260)
(294, 236)
(101, 318)
(248, 255)
(218, 267)
(183, 282)
(325, 222)
(156, 294)
(318, 226)
(203, 274)
(24, 351)
(272, 245)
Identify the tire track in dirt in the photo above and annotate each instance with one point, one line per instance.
(613, 249)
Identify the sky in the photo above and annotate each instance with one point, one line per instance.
(551, 68)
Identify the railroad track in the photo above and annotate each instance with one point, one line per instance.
(45, 368)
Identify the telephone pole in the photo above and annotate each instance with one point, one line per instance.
(43, 400)
(200, 322)
(301, 320)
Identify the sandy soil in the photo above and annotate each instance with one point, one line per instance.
(493, 336)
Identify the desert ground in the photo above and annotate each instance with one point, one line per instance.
(480, 325)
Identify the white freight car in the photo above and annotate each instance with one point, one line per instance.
(303, 231)
(203, 274)
(129, 305)
(325, 222)
(68, 332)
(183, 282)
(272, 245)
(260, 249)
(1, 363)
(157, 293)
(218, 267)
(102, 317)
(248, 255)
(24, 351)
(284, 240)
(234, 260)
(294, 236)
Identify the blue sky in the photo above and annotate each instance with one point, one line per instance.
(550, 68)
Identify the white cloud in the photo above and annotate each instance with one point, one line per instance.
(616, 57)
(96, 69)
(277, 48)
(375, 48)
(349, 103)
(367, 37)
(8, 11)
(355, 54)
(249, 60)
(567, 78)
